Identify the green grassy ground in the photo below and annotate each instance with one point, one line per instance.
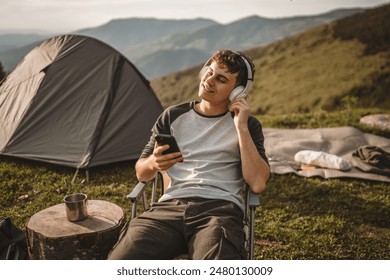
(323, 219)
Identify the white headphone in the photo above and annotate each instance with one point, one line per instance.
(240, 91)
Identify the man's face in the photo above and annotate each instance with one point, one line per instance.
(217, 84)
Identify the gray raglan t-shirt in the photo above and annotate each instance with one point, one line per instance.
(212, 164)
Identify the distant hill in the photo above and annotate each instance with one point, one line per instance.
(313, 69)
(242, 34)
(14, 41)
(123, 33)
(166, 61)
(143, 39)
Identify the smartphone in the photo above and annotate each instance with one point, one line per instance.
(163, 139)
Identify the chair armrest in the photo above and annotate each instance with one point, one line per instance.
(254, 199)
(137, 191)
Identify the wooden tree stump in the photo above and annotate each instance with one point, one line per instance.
(52, 237)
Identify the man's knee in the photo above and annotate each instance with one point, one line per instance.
(143, 239)
(218, 242)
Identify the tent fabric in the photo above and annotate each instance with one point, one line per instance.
(282, 144)
(75, 101)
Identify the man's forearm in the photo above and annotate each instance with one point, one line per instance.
(254, 169)
(144, 169)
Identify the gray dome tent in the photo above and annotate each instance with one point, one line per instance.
(77, 102)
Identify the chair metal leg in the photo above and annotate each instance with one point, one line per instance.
(252, 233)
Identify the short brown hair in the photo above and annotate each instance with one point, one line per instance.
(234, 62)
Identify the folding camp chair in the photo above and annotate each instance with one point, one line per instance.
(147, 198)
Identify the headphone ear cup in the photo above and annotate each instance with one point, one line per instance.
(236, 93)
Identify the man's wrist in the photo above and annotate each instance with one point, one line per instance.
(242, 128)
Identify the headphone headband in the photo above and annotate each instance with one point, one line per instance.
(248, 67)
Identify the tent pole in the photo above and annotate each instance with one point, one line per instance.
(87, 175)
(75, 176)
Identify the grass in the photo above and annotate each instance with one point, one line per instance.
(300, 218)
(323, 219)
(347, 116)
(28, 187)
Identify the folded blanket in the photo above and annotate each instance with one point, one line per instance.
(372, 159)
(322, 159)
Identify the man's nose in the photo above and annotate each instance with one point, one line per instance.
(210, 79)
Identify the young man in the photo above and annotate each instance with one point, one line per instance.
(221, 148)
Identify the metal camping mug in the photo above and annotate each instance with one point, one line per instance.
(76, 207)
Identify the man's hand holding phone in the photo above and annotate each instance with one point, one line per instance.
(166, 151)
(166, 139)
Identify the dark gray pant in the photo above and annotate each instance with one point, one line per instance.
(201, 228)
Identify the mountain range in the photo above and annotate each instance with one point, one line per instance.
(158, 47)
(333, 66)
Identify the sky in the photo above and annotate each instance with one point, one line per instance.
(70, 15)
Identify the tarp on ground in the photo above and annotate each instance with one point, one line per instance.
(282, 144)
